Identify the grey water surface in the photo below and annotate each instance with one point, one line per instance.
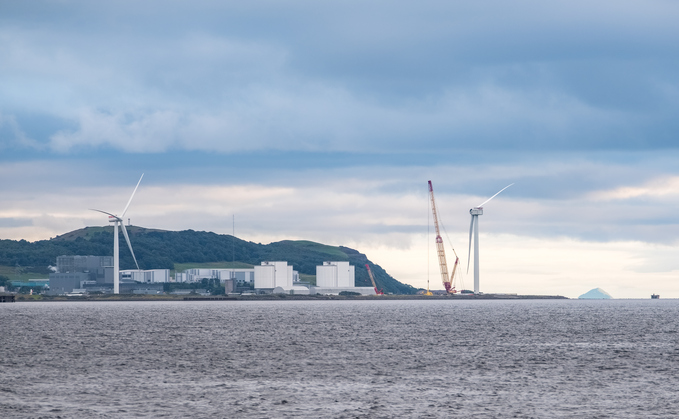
(344, 359)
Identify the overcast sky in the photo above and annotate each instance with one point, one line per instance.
(324, 121)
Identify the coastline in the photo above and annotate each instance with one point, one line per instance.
(284, 297)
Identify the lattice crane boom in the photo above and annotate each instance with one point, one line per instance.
(447, 281)
(372, 278)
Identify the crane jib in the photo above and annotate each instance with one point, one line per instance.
(447, 281)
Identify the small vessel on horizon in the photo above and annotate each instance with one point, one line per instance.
(655, 296)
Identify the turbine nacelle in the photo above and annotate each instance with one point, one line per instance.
(476, 211)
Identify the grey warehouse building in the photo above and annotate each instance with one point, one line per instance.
(77, 272)
(83, 263)
(67, 282)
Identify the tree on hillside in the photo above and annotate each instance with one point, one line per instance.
(157, 249)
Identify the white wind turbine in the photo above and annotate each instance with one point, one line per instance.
(475, 212)
(118, 221)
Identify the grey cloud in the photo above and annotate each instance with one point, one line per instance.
(549, 199)
(323, 76)
(15, 222)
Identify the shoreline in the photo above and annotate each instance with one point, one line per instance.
(284, 297)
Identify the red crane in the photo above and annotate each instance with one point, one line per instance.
(372, 278)
(447, 282)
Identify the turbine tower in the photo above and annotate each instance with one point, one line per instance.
(118, 222)
(474, 226)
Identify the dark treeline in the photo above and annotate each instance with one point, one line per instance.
(156, 249)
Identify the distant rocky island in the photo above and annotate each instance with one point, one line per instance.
(596, 294)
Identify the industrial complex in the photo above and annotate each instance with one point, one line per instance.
(80, 275)
(77, 275)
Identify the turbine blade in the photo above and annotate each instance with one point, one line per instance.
(104, 212)
(127, 239)
(486, 201)
(132, 196)
(469, 253)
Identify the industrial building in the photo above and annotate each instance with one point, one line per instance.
(235, 280)
(331, 279)
(146, 276)
(335, 274)
(128, 287)
(77, 263)
(335, 277)
(65, 283)
(336, 290)
(89, 274)
(196, 275)
(275, 275)
(75, 273)
(294, 290)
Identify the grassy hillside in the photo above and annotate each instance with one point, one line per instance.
(89, 232)
(22, 273)
(180, 250)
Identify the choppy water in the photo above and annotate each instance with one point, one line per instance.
(605, 359)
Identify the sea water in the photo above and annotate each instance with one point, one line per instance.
(340, 359)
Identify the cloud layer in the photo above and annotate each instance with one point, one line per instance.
(322, 77)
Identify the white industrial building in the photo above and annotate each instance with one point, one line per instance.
(272, 275)
(196, 275)
(335, 274)
(336, 290)
(335, 277)
(240, 275)
(294, 290)
(147, 276)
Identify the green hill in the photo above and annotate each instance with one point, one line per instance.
(160, 249)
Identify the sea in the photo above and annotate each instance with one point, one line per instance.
(340, 359)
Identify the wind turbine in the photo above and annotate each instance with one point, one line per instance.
(118, 222)
(474, 226)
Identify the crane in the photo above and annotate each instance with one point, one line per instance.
(372, 278)
(447, 282)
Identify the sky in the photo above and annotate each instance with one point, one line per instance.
(324, 121)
